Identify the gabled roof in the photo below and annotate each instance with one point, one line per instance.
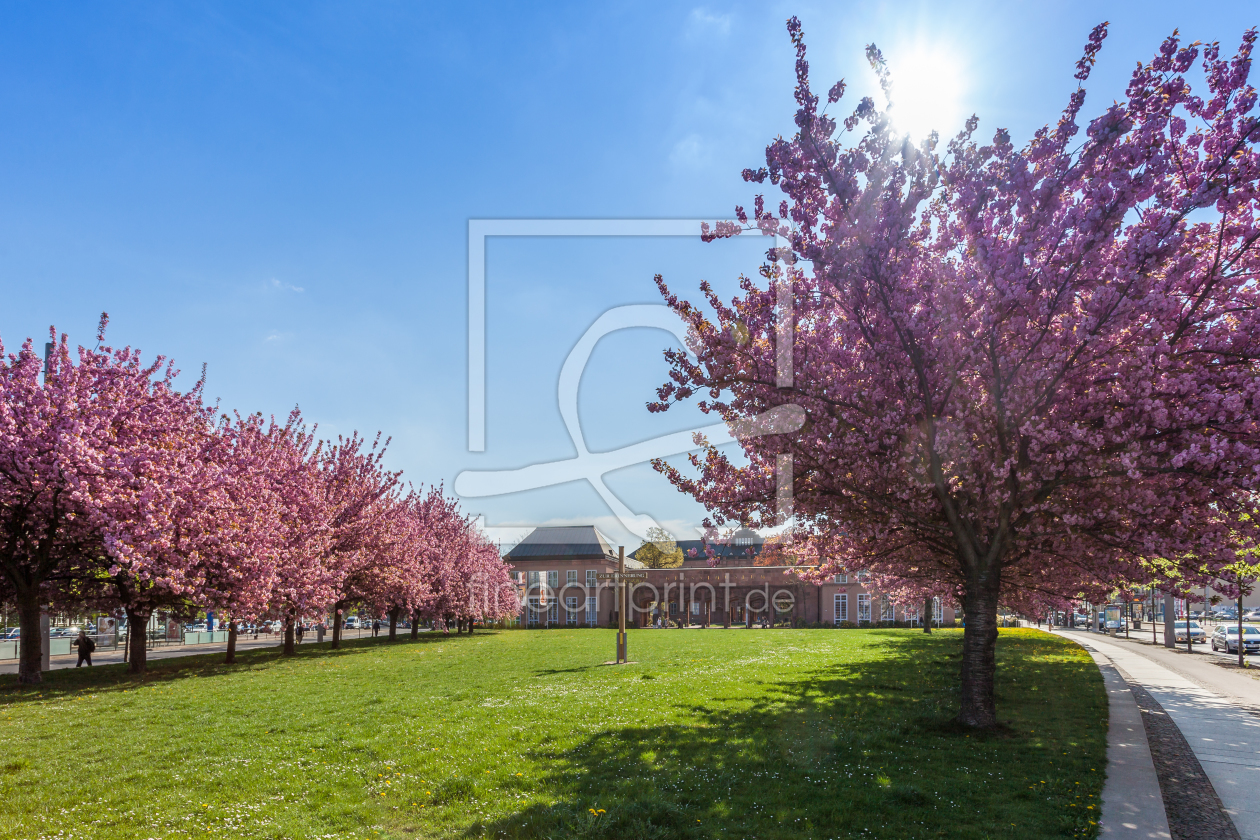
(563, 541)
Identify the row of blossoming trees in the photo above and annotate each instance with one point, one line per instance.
(1026, 375)
(120, 492)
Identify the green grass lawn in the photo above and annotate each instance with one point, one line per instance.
(710, 734)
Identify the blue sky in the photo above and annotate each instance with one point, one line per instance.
(283, 192)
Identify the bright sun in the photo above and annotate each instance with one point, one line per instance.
(927, 86)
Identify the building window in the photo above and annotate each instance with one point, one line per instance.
(864, 608)
(887, 612)
(842, 578)
(590, 577)
(553, 578)
(912, 616)
(695, 608)
(592, 611)
(841, 608)
(553, 613)
(937, 613)
(570, 577)
(571, 608)
(533, 579)
(532, 613)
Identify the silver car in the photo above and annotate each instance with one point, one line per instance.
(1196, 632)
(1226, 638)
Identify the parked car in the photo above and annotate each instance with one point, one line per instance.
(1226, 638)
(11, 633)
(198, 628)
(352, 622)
(1197, 635)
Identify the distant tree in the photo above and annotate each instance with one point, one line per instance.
(659, 551)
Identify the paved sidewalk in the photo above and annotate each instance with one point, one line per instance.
(243, 643)
(1208, 704)
(1132, 805)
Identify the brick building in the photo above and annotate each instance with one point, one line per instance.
(556, 569)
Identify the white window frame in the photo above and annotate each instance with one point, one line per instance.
(571, 610)
(840, 608)
(590, 577)
(592, 611)
(553, 613)
(887, 609)
(533, 578)
(863, 608)
(570, 576)
(938, 610)
(553, 578)
(842, 579)
(532, 612)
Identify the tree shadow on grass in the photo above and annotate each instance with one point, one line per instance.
(849, 750)
(102, 679)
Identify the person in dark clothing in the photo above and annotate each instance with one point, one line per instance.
(376, 627)
(299, 630)
(85, 646)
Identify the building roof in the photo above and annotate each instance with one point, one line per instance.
(744, 544)
(563, 541)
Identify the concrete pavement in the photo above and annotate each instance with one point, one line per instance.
(1132, 805)
(243, 643)
(1210, 705)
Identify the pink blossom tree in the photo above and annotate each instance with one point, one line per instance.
(1025, 372)
(103, 467)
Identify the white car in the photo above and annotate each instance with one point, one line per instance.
(1197, 636)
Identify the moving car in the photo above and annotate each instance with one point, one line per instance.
(1196, 632)
(1226, 638)
(352, 622)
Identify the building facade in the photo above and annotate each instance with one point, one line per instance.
(557, 572)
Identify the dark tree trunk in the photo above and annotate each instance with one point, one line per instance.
(393, 623)
(137, 640)
(470, 624)
(231, 648)
(927, 615)
(31, 642)
(338, 608)
(290, 648)
(979, 662)
(415, 625)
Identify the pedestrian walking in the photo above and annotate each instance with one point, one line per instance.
(299, 633)
(85, 646)
(376, 627)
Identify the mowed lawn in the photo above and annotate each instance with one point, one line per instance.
(709, 734)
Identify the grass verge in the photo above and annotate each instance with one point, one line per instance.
(713, 733)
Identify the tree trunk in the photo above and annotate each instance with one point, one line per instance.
(31, 642)
(927, 615)
(470, 624)
(289, 647)
(137, 640)
(415, 625)
(231, 648)
(393, 623)
(337, 620)
(979, 662)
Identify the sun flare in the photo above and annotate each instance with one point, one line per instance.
(927, 88)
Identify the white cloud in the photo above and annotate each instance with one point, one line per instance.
(689, 151)
(288, 287)
(701, 21)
